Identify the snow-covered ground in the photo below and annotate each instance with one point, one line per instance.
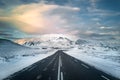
(15, 57)
(19, 62)
(98, 57)
(54, 41)
(101, 55)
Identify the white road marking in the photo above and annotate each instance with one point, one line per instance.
(105, 77)
(49, 63)
(85, 66)
(61, 75)
(76, 60)
(54, 66)
(58, 78)
(38, 77)
(60, 62)
(31, 68)
(52, 60)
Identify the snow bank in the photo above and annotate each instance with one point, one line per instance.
(20, 62)
(107, 65)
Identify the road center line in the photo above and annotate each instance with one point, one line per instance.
(61, 75)
(105, 77)
(58, 78)
(60, 62)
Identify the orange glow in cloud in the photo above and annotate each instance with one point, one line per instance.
(36, 18)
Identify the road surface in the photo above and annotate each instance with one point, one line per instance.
(60, 66)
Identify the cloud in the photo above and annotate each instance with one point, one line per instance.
(96, 19)
(105, 27)
(79, 17)
(38, 17)
(1, 11)
(96, 9)
(93, 3)
(101, 12)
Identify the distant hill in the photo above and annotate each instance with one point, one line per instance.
(48, 41)
(10, 49)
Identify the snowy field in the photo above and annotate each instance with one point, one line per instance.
(15, 57)
(98, 57)
(19, 62)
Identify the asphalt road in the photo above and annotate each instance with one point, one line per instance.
(60, 66)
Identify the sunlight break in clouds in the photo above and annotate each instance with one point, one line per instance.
(38, 18)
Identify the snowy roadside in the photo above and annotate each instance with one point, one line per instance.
(20, 62)
(103, 64)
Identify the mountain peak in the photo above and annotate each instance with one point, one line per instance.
(51, 40)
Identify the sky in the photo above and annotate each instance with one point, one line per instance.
(93, 19)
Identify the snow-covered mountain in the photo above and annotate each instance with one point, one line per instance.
(91, 47)
(64, 42)
(80, 42)
(15, 57)
(104, 56)
(95, 43)
(9, 49)
(48, 41)
(96, 53)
